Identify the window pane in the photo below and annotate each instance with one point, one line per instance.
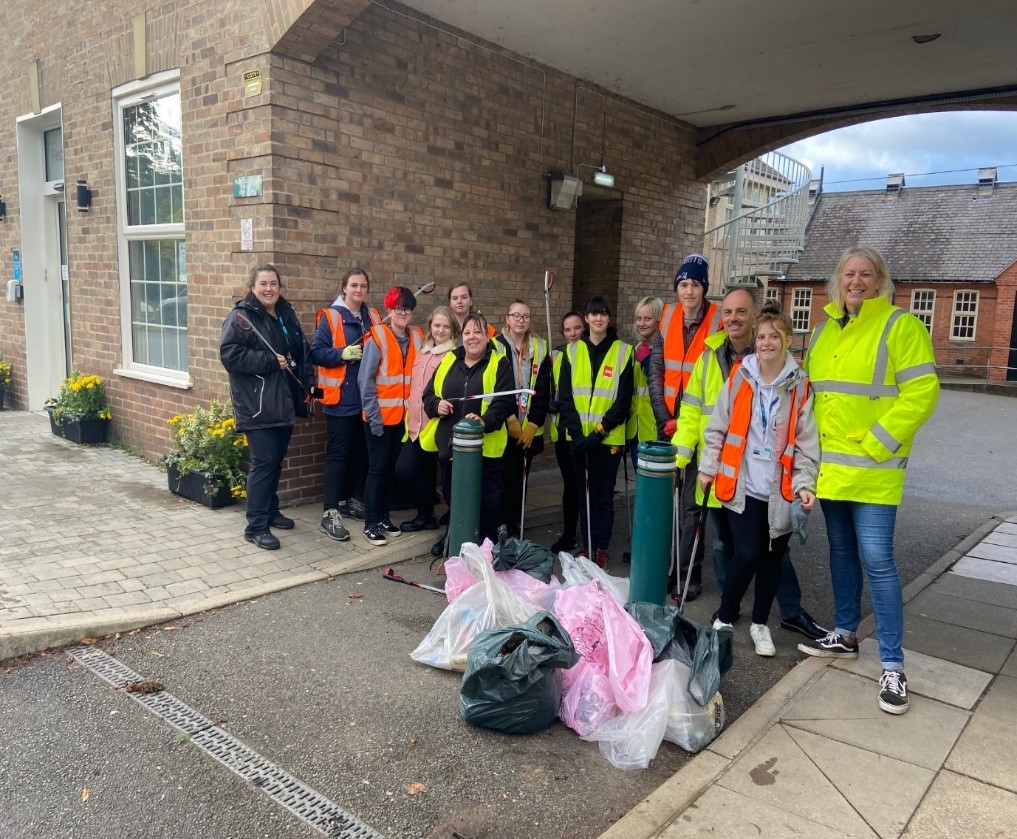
(54, 142)
(159, 302)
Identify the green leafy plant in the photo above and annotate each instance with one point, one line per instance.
(5, 373)
(207, 440)
(81, 397)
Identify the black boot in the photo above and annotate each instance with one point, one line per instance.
(438, 548)
(421, 522)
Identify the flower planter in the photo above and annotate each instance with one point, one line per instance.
(89, 431)
(58, 430)
(192, 486)
(3, 395)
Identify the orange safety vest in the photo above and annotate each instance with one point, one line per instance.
(733, 450)
(330, 379)
(678, 361)
(394, 372)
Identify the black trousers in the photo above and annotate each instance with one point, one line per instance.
(602, 466)
(491, 490)
(514, 462)
(267, 449)
(689, 512)
(418, 470)
(382, 454)
(570, 488)
(754, 555)
(345, 459)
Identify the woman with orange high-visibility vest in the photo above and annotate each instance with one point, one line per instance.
(389, 353)
(761, 455)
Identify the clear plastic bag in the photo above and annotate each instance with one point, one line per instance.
(488, 604)
(578, 571)
(689, 724)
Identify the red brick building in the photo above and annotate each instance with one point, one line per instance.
(198, 139)
(951, 252)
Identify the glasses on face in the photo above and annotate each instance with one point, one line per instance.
(519, 316)
(401, 311)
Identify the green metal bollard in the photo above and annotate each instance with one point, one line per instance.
(467, 461)
(652, 523)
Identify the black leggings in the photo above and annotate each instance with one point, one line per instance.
(570, 487)
(754, 554)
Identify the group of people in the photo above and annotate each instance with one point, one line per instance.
(759, 438)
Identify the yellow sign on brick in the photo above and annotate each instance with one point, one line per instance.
(252, 83)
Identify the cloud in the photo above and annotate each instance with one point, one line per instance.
(860, 157)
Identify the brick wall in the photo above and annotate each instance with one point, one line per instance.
(598, 256)
(1004, 330)
(407, 148)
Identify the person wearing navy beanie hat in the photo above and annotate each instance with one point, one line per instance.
(684, 327)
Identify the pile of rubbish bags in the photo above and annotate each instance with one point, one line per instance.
(533, 648)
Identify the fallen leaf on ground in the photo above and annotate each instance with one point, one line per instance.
(354, 596)
(88, 641)
(86, 793)
(415, 788)
(156, 652)
(144, 686)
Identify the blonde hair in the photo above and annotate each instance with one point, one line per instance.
(447, 312)
(656, 307)
(884, 285)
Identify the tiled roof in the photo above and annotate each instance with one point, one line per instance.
(927, 234)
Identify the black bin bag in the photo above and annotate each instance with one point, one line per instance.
(511, 682)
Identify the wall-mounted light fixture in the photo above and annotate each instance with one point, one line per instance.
(602, 178)
(3, 209)
(563, 190)
(84, 196)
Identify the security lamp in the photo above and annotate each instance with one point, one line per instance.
(602, 178)
(84, 196)
(3, 209)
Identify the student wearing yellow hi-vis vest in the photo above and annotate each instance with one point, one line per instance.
(530, 362)
(594, 395)
(470, 371)
(572, 328)
(873, 371)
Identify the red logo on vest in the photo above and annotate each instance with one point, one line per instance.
(607, 372)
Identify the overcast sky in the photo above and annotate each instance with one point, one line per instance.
(914, 145)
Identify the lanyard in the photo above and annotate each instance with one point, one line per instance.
(764, 411)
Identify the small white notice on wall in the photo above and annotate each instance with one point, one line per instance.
(247, 234)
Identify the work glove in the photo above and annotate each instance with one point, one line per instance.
(670, 427)
(799, 520)
(512, 426)
(377, 429)
(526, 436)
(353, 352)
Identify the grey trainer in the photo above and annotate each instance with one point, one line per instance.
(332, 524)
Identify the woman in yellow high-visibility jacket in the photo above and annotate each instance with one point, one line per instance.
(873, 372)
(572, 328)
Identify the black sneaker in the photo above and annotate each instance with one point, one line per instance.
(893, 692)
(332, 524)
(563, 543)
(803, 624)
(281, 522)
(389, 528)
(375, 534)
(831, 645)
(438, 548)
(352, 509)
(266, 540)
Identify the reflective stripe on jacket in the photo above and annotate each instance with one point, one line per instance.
(538, 352)
(330, 379)
(592, 398)
(678, 361)
(875, 385)
(558, 429)
(641, 424)
(394, 372)
(494, 441)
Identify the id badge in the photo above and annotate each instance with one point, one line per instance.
(762, 453)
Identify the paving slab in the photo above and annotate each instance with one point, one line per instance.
(959, 644)
(885, 792)
(719, 812)
(956, 806)
(1010, 668)
(778, 773)
(929, 676)
(996, 620)
(843, 707)
(997, 553)
(985, 751)
(981, 591)
(1001, 701)
(986, 569)
(1002, 538)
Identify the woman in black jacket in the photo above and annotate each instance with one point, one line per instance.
(267, 386)
(469, 371)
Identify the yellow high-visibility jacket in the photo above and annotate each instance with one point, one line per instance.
(875, 385)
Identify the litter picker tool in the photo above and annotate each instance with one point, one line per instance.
(527, 460)
(393, 575)
(700, 527)
(589, 522)
(548, 285)
(426, 288)
(308, 394)
(518, 390)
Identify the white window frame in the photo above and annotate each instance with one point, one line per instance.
(960, 316)
(923, 306)
(125, 96)
(801, 311)
(772, 293)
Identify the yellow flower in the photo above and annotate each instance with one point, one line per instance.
(174, 419)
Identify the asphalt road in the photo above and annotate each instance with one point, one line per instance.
(318, 680)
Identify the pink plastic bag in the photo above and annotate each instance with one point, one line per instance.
(613, 675)
(530, 589)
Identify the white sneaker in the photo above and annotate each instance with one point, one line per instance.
(719, 624)
(760, 634)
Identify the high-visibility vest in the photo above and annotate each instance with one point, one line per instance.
(700, 397)
(678, 361)
(875, 385)
(594, 398)
(394, 372)
(538, 352)
(732, 452)
(330, 379)
(558, 429)
(494, 441)
(641, 424)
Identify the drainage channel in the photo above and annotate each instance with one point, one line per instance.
(305, 803)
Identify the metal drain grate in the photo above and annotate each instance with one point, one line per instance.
(305, 803)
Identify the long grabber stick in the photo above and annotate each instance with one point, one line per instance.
(700, 526)
(292, 363)
(393, 575)
(492, 395)
(426, 288)
(548, 285)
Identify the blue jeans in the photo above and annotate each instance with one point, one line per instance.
(861, 537)
(789, 591)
